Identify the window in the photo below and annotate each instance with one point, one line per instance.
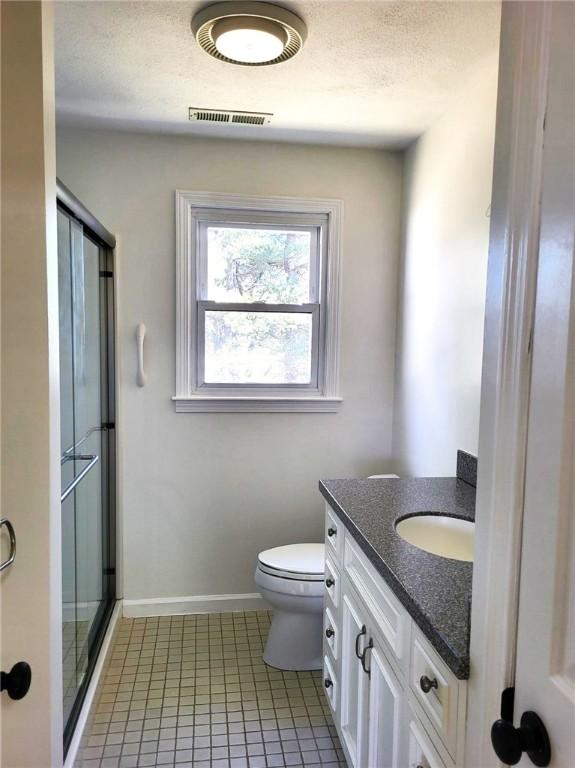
(258, 291)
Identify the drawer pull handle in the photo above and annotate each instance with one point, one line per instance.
(329, 583)
(327, 682)
(367, 648)
(331, 532)
(426, 684)
(357, 639)
(329, 632)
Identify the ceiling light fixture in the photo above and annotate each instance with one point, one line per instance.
(249, 33)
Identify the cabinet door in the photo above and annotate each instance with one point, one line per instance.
(386, 720)
(354, 681)
(421, 751)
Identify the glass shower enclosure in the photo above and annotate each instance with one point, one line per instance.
(87, 430)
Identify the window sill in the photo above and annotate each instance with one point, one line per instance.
(203, 404)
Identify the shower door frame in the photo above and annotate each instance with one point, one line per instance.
(69, 204)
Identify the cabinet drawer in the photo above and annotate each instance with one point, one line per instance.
(388, 613)
(331, 683)
(334, 535)
(422, 753)
(436, 689)
(332, 584)
(331, 633)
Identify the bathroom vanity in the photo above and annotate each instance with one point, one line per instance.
(396, 627)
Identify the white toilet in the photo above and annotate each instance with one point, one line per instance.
(291, 578)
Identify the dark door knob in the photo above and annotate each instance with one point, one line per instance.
(327, 682)
(531, 737)
(329, 583)
(331, 532)
(329, 632)
(16, 683)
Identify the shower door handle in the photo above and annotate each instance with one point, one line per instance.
(5, 523)
(93, 460)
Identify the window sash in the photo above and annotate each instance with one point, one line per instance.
(253, 217)
(315, 256)
(316, 226)
(314, 310)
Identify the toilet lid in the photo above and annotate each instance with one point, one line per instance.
(301, 559)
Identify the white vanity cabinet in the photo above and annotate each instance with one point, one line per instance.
(375, 659)
(385, 725)
(354, 682)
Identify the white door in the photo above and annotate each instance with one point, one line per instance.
(545, 670)
(30, 629)
(386, 719)
(354, 681)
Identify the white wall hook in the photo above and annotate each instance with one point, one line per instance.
(140, 336)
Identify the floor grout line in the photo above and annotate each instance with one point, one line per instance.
(194, 692)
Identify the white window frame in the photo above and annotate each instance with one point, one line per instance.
(194, 212)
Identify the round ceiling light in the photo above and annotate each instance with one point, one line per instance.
(249, 33)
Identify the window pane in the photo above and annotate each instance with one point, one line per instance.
(258, 265)
(258, 347)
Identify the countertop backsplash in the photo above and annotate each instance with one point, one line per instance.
(467, 468)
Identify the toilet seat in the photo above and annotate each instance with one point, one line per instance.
(297, 562)
(291, 575)
(289, 586)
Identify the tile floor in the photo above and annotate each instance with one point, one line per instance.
(193, 691)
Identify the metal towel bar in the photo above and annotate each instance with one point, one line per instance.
(93, 460)
(67, 455)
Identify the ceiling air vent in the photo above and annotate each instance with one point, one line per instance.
(229, 116)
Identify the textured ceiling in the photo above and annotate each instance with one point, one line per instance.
(371, 73)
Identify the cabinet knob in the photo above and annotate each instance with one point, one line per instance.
(426, 684)
(329, 632)
(329, 583)
(327, 682)
(331, 532)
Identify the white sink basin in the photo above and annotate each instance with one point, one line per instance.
(444, 536)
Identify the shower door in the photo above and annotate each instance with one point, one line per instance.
(87, 452)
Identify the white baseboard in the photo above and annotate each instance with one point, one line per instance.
(174, 606)
(93, 687)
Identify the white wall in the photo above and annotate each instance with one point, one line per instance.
(447, 190)
(203, 493)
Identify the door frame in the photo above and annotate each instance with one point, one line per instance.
(509, 315)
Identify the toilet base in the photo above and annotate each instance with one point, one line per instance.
(295, 641)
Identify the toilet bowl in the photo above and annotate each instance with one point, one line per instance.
(291, 578)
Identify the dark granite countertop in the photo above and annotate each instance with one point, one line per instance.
(435, 591)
